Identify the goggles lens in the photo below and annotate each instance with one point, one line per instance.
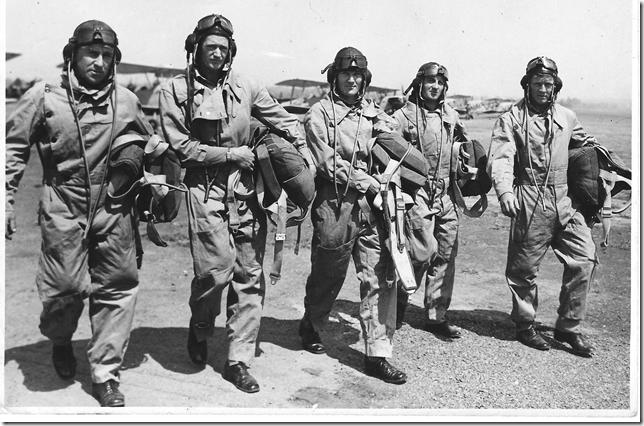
(432, 69)
(542, 62)
(353, 61)
(212, 21)
(96, 35)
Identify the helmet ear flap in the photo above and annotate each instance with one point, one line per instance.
(524, 82)
(189, 45)
(233, 47)
(67, 52)
(330, 75)
(367, 77)
(558, 84)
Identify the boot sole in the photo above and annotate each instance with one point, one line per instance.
(576, 352)
(391, 381)
(240, 388)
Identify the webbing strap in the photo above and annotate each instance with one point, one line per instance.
(280, 237)
(365, 208)
(231, 201)
(392, 203)
(606, 213)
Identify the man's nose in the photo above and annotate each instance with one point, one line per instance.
(99, 60)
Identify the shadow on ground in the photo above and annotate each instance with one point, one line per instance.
(340, 332)
(484, 322)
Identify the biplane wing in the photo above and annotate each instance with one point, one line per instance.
(129, 68)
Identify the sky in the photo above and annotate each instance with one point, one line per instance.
(485, 44)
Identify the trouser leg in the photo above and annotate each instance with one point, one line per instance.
(246, 294)
(420, 239)
(575, 248)
(526, 249)
(378, 297)
(440, 274)
(62, 267)
(114, 277)
(328, 270)
(334, 235)
(213, 254)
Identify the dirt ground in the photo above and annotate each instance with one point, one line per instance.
(485, 373)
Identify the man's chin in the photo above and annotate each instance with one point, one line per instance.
(93, 83)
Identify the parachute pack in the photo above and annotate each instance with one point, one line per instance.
(469, 176)
(595, 176)
(285, 188)
(413, 168)
(159, 191)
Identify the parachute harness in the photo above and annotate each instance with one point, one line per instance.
(332, 96)
(547, 146)
(190, 80)
(420, 140)
(73, 103)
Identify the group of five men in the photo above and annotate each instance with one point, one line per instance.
(206, 118)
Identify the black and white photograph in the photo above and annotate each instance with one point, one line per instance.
(321, 211)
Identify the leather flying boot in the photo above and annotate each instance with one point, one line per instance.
(108, 394)
(198, 351)
(530, 337)
(443, 329)
(577, 343)
(238, 375)
(64, 360)
(379, 367)
(310, 338)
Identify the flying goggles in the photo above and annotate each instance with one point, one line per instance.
(94, 34)
(214, 21)
(541, 63)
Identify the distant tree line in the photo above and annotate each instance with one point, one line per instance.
(570, 102)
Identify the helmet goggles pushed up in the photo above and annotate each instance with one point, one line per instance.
(541, 64)
(214, 24)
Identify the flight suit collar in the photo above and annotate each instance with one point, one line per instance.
(231, 83)
(97, 97)
(369, 110)
(444, 110)
(558, 116)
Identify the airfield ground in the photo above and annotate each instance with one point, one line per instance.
(485, 369)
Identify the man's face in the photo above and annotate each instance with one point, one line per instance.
(541, 89)
(433, 87)
(213, 53)
(349, 82)
(93, 64)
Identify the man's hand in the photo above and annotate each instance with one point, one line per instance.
(509, 204)
(243, 157)
(11, 229)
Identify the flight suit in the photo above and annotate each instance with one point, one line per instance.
(43, 117)
(227, 227)
(536, 171)
(437, 228)
(347, 228)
